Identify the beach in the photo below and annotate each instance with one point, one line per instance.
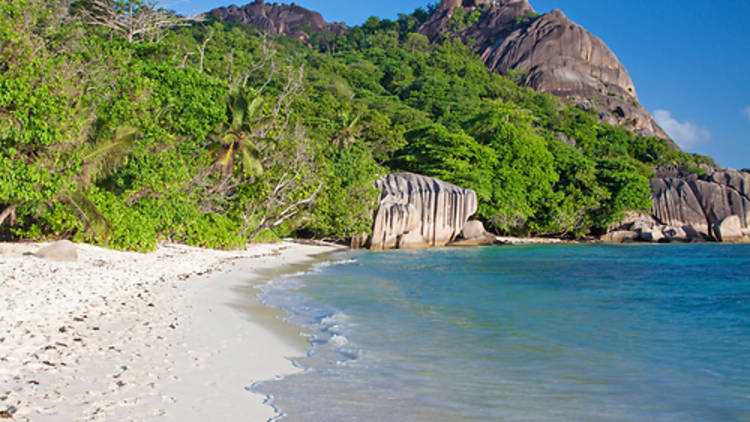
(175, 334)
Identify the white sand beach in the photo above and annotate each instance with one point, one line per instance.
(171, 335)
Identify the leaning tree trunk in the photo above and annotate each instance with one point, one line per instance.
(9, 211)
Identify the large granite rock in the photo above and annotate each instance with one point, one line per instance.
(620, 236)
(729, 229)
(553, 54)
(418, 211)
(702, 202)
(638, 226)
(289, 20)
(474, 234)
(473, 229)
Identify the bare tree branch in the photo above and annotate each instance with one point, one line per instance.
(202, 49)
(134, 20)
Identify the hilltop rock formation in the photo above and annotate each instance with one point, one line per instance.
(418, 211)
(289, 20)
(550, 54)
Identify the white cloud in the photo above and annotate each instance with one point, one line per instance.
(747, 112)
(686, 134)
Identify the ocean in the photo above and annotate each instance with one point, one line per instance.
(520, 333)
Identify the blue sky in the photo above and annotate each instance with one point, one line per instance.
(689, 59)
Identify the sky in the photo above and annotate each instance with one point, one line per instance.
(689, 59)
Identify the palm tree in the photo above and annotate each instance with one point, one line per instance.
(98, 161)
(350, 131)
(237, 140)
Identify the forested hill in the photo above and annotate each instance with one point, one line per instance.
(127, 125)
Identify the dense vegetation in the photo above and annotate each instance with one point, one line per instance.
(210, 134)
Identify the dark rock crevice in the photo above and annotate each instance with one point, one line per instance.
(703, 209)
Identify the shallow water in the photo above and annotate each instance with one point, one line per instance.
(528, 333)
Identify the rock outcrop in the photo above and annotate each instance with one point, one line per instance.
(474, 234)
(418, 212)
(729, 229)
(289, 20)
(550, 54)
(715, 205)
(620, 236)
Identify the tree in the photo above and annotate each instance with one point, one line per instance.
(238, 139)
(266, 167)
(136, 21)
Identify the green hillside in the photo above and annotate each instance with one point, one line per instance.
(210, 134)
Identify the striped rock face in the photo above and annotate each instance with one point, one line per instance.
(419, 212)
(704, 203)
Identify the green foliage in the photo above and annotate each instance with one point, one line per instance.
(346, 206)
(462, 19)
(213, 231)
(527, 17)
(214, 137)
(129, 229)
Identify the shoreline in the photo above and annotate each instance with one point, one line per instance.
(176, 333)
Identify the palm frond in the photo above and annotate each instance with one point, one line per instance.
(251, 164)
(106, 155)
(225, 160)
(237, 108)
(89, 214)
(254, 106)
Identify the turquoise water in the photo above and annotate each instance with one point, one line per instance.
(563, 333)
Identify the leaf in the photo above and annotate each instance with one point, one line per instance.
(250, 162)
(90, 215)
(225, 162)
(254, 106)
(237, 108)
(106, 155)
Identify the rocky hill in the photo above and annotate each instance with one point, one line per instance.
(289, 20)
(551, 54)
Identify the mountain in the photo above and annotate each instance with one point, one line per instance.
(549, 53)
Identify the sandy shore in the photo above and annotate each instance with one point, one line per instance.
(171, 335)
(508, 240)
